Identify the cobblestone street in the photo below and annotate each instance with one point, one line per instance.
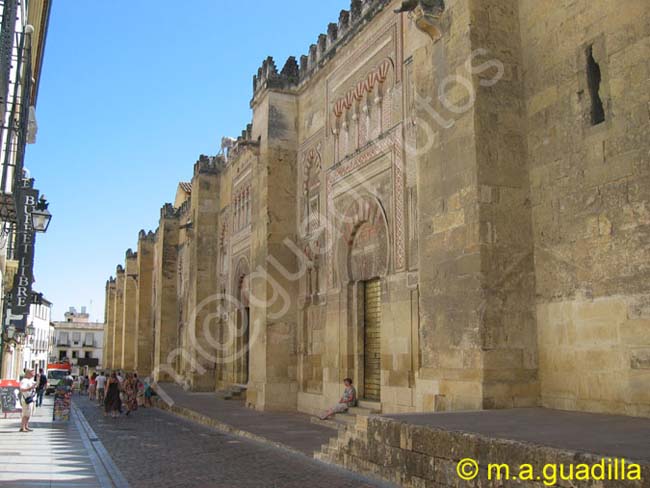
(154, 448)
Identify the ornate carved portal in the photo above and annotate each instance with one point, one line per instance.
(366, 241)
(364, 257)
(344, 178)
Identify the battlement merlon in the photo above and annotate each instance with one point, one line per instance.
(146, 236)
(168, 211)
(295, 73)
(209, 165)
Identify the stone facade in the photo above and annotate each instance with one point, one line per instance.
(487, 162)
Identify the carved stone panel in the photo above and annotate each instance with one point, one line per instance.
(368, 256)
(377, 170)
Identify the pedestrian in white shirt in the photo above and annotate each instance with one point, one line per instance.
(27, 393)
(100, 381)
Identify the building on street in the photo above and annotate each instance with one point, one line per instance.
(38, 348)
(23, 34)
(444, 201)
(79, 342)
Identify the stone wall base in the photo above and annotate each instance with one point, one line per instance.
(422, 456)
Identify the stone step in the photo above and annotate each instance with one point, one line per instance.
(362, 411)
(236, 392)
(347, 418)
(323, 457)
(334, 424)
(375, 407)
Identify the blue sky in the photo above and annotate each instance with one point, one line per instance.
(132, 91)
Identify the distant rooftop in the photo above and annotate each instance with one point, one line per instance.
(73, 316)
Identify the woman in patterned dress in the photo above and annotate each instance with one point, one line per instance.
(348, 400)
(131, 393)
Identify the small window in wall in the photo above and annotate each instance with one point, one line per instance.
(594, 78)
(74, 354)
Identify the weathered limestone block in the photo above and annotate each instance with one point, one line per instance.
(118, 338)
(273, 310)
(165, 298)
(130, 335)
(202, 325)
(144, 304)
(109, 334)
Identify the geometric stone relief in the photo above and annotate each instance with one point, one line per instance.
(364, 246)
(310, 195)
(390, 144)
(364, 112)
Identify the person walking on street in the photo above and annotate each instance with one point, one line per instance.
(100, 383)
(139, 386)
(112, 402)
(130, 394)
(148, 393)
(41, 387)
(92, 387)
(27, 394)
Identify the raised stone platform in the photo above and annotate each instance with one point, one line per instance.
(423, 450)
(290, 431)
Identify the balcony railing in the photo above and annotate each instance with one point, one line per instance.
(90, 362)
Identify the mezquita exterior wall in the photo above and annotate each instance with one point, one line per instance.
(447, 205)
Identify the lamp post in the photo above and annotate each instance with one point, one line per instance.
(41, 216)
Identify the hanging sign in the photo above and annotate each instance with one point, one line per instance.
(26, 199)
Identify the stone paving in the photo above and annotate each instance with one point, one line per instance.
(155, 448)
(609, 435)
(53, 455)
(293, 430)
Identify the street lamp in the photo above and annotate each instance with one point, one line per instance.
(41, 216)
(11, 332)
(30, 330)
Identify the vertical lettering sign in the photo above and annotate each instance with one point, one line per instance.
(26, 198)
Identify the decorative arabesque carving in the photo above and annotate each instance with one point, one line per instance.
(311, 190)
(365, 243)
(363, 112)
(312, 253)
